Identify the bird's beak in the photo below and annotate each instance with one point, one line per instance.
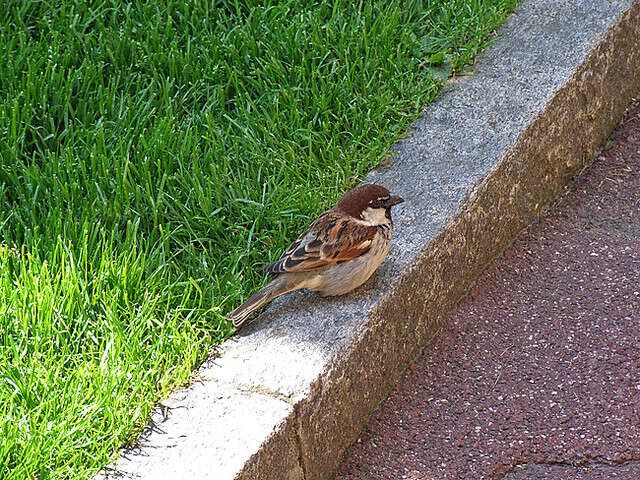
(393, 200)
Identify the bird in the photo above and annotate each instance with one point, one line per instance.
(337, 253)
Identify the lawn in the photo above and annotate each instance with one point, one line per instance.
(153, 156)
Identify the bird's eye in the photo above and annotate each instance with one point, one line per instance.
(378, 203)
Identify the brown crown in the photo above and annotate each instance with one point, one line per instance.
(356, 200)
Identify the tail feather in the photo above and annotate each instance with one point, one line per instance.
(273, 289)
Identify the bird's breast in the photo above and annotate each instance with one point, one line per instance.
(344, 277)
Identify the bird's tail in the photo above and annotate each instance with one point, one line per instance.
(278, 286)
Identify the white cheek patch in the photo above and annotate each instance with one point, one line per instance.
(374, 216)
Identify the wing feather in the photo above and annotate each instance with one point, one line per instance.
(331, 239)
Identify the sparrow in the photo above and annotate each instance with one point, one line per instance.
(337, 253)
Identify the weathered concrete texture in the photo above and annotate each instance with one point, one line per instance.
(539, 364)
(213, 430)
(482, 163)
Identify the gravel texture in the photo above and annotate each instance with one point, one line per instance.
(536, 372)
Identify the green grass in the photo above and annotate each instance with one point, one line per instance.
(153, 156)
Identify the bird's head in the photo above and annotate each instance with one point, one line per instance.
(369, 203)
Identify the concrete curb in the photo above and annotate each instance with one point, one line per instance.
(284, 399)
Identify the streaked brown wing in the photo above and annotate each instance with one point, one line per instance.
(329, 240)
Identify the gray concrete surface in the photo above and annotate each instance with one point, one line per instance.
(211, 430)
(536, 371)
(476, 169)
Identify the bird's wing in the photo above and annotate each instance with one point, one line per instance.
(329, 240)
